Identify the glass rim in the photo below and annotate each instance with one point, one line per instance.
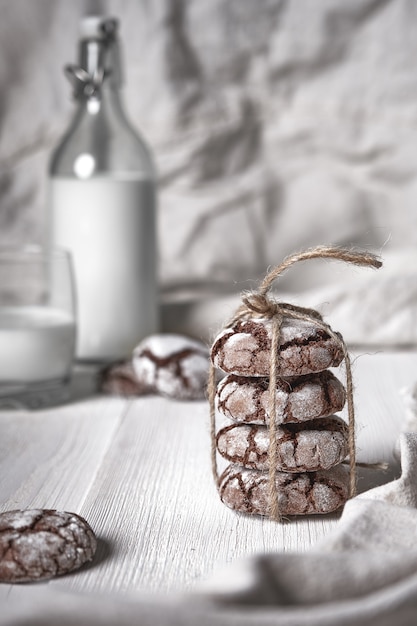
(31, 253)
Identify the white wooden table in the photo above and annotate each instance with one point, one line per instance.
(139, 472)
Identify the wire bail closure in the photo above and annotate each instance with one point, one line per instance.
(89, 83)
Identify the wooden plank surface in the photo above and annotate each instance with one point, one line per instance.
(49, 459)
(139, 472)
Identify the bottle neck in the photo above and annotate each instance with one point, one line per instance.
(106, 101)
(100, 59)
(97, 80)
(100, 128)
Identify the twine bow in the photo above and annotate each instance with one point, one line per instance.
(259, 305)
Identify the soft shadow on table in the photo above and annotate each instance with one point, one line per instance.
(105, 550)
(84, 384)
(368, 478)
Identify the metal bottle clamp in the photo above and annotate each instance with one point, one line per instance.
(86, 83)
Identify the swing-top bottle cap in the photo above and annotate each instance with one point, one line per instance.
(98, 27)
(98, 56)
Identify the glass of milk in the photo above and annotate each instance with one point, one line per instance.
(37, 325)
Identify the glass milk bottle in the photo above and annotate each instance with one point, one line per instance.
(102, 205)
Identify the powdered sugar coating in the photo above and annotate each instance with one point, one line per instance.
(166, 345)
(172, 365)
(298, 399)
(247, 490)
(315, 445)
(38, 544)
(244, 349)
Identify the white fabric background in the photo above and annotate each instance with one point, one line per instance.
(275, 125)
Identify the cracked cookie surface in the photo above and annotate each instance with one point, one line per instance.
(38, 544)
(244, 349)
(247, 490)
(298, 399)
(312, 446)
(172, 365)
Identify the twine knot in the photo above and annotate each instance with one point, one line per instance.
(259, 303)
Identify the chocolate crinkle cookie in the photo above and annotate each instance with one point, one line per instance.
(172, 365)
(244, 349)
(308, 493)
(315, 445)
(298, 399)
(38, 544)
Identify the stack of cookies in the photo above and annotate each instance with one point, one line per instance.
(311, 441)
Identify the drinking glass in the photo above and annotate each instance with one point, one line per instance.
(37, 326)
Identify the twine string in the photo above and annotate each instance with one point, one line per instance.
(354, 257)
(274, 510)
(259, 305)
(211, 388)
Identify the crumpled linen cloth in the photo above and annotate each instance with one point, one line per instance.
(364, 573)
